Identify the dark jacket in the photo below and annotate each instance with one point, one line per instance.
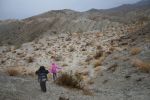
(42, 74)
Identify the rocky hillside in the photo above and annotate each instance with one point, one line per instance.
(69, 21)
(108, 48)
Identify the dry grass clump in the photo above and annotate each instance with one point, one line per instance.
(98, 47)
(14, 71)
(88, 92)
(64, 64)
(57, 57)
(83, 72)
(135, 50)
(63, 98)
(97, 68)
(113, 67)
(70, 80)
(141, 65)
(88, 59)
(30, 60)
(71, 49)
(97, 63)
(98, 54)
(3, 61)
(19, 71)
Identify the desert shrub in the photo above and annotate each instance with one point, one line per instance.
(30, 60)
(14, 71)
(135, 50)
(99, 47)
(97, 63)
(17, 46)
(88, 59)
(84, 72)
(113, 67)
(84, 49)
(87, 92)
(69, 80)
(63, 98)
(71, 49)
(142, 19)
(141, 65)
(20, 71)
(64, 64)
(3, 61)
(58, 57)
(98, 54)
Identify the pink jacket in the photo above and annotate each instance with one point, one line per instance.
(54, 68)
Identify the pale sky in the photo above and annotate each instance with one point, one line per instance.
(19, 9)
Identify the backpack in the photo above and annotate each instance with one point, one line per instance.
(42, 77)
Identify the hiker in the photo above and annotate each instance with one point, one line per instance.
(54, 69)
(42, 77)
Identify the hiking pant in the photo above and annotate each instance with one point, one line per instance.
(43, 86)
(54, 76)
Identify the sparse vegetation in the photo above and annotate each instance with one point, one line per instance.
(58, 58)
(113, 67)
(19, 71)
(70, 80)
(64, 64)
(88, 92)
(30, 60)
(119, 33)
(135, 50)
(88, 59)
(71, 49)
(141, 65)
(96, 63)
(98, 54)
(14, 71)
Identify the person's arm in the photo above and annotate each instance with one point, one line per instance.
(37, 72)
(46, 71)
(58, 67)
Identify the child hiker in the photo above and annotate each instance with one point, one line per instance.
(54, 69)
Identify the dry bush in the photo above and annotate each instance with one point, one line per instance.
(98, 47)
(64, 64)
(113, 67)
(116, 57)
(63, 98)
(88, 44)
(98, 54)
(87, 91)
(20, 71)
(28, 72)
(97, 63)
(125, 58)
(13, 71)
(69, 80)
(58, 58)
(30, 60)
(84, 72)
(3, 61)
(141, 65)
(97, 69)
(135, 50)
(88, 59)
(71, 49)
(82, 63)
